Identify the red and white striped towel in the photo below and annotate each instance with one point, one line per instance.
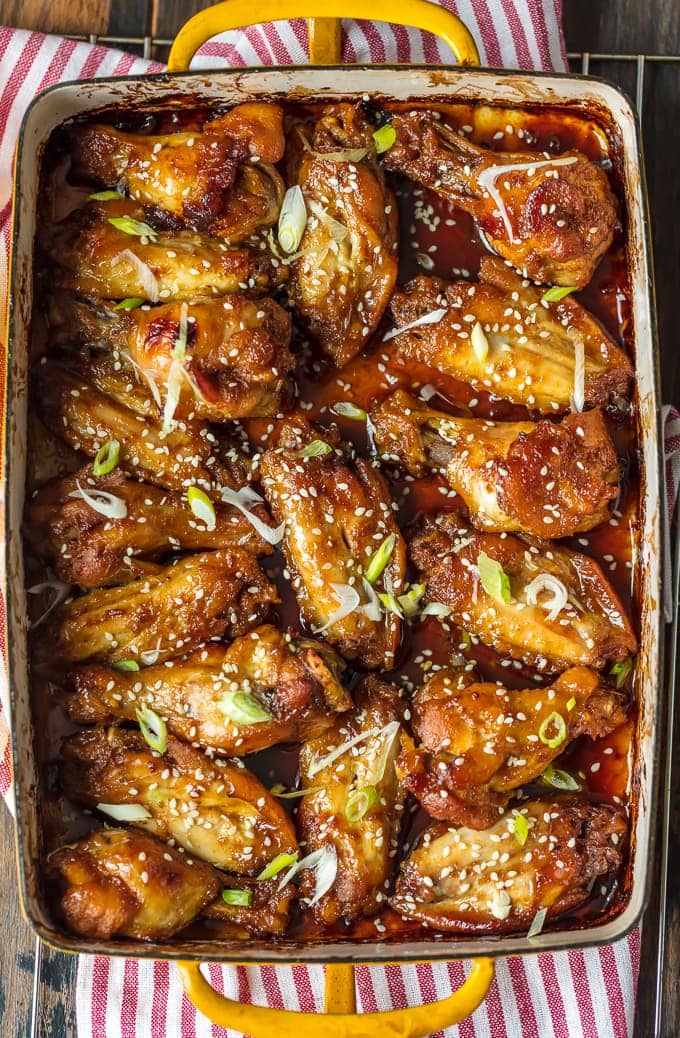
(575, 994)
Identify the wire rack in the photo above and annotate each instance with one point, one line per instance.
(635, 74)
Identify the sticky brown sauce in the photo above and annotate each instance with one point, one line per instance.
(454, 250)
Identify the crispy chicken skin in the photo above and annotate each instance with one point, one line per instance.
(589, 630)
(342, 282)
(552, 216)
(86, 253)
(237, 358)
(207, 595)
(509, 474)
(294, 679)
(207, 181)
(216, 809)
(461, 879)
(337, 516)
(479, 741)
(532, 346)
(266, 915)
(86, 418)
(366, 849)
(86, 548)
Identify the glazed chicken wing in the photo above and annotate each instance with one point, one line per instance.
(122, 883)
(552, 216)
(498, 879)
(294, 683)
(216, 809)
(342, 282)
(86, 548)
(220, 179)
(479, 741)
(511, 475)
(90, 255)
(337, 517)
(500, 338)
(208, 595)
(236, 350)
(355, 803)
(544, 604)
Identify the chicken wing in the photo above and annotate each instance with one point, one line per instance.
(337, 517)
(208, 595)
(544, 604)
(480, 741)
(216, 809)
(213, 180)
(511, 475)
(237, 359)
(347, 270)
(88, 254)
(500, 338)
(294, 681)
(552, 216)
(355, 803)
(86, 548)
(122, 883)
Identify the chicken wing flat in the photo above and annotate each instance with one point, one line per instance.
(552, 216)
(90, 255)
(86, 418)
(499, 337)
(511, 475)
(337, 517)
(89, 549)
(208, 595)
(479, 741)
(541, 603)
(294, 681)
(355, 803)
(265, 915)
(496, 880)
(343, 280)
(215, 809)
(210, 180)
(122, 883)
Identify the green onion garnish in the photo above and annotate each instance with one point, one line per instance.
(559, 779)
(495, 580)
(242, 708)
(104, 196)
(278, 864)
(153, 728)
(127, 225)
(348, 410)
(292, 219)
(125, 665)
(380, 559)
(384, 138)
(238, 897)
(281, 793)
(571, 703)
(557, 292)
(315, 449)
(131, 303)
(554, 722)
(621, 671)
(202, 507)
(106, 458)
(360, 802)
(390, 603)
(411, 600)
(521, 829)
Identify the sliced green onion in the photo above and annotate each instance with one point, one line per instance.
(292, 219)
(315, 449)
(411, 600)
(125, 812)
(384, 138)
(537, 923)
(242, 708)
(390, 603)
(556, 722)
(557, 292)
(621, 671)
(380, 559)
(125, 665)
(346, 409)
(104, 196)
(278, 864)
(281, 793)
(559, 779)
(360, 802)
(131, 303)
(128, 225)
(202, 507)
(571, 703)
(521, 829)
(495, 580)
(435, 609)
(238, 897)
(153, 728)
(106, 458)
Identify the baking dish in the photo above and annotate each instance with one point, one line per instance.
(605, 104)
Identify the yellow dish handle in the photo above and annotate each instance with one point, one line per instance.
(324, 32)
(343, 1021)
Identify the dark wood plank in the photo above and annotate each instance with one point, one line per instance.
(75, 16)
(17, 947)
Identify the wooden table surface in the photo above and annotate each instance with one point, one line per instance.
(629, 26)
